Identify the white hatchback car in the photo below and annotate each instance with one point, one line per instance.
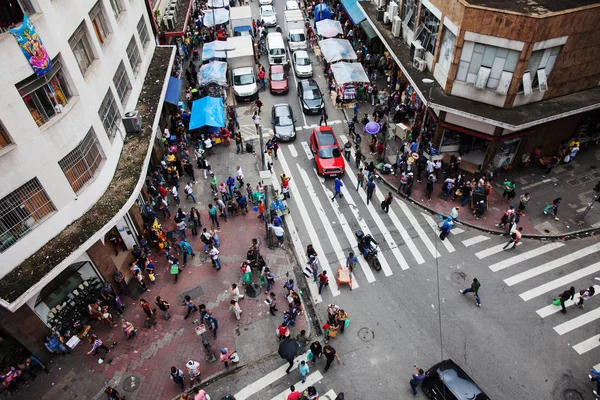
(267, 16)
(291, 5)
(265, 2)
(302, 64)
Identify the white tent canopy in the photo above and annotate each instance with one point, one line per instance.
(329, 28)
(215, 49)
(344, 72)
(213, 72)
(337, 49)
(217, 3)
(215, 16)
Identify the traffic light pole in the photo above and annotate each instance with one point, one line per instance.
(588, 208)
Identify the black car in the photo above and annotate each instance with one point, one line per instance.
(310, 95)
(447, 381)
(283, 121)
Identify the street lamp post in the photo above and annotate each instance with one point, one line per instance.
(429, 82)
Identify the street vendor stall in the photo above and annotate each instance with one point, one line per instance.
(212, 78)
(215, 16)
(329, 28)
(207, 111)
(216, 49)
(334, 50)
(347, 76)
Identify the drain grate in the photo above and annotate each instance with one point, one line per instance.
(252, 290)
(366, 334)
(131, 383)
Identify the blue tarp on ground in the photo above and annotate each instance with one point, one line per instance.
(173, 90)
(354, 12)
(207, 111)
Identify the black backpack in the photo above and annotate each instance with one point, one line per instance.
(592, 291)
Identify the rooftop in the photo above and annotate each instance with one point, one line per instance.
(514, 118)
(534, 7)
(126, 177)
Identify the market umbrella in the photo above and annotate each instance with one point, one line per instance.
(372, 128)
(215, 16)
(288, 349)
(329, 28)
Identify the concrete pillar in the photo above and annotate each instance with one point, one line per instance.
(493, 147)
(102, 257)
(27, 328)
(439, 130)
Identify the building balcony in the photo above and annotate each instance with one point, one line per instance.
(12, 11)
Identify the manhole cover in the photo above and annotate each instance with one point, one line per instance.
(365, 334)
(573, 182)
(131, 383)
(572, 394)
(252, 290)
(458, 277)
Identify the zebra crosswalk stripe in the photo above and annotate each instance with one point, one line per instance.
(587, 345)
(490, 251)
(560, 282)
(551, 309)
(525, 256)
(577, 322)
(474, 240)
(311, 379)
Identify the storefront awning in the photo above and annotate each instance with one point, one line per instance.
(354, 12)
(173, 90)
(368, 29)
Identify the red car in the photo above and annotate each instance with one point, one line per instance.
(327, 151)
(278, 79)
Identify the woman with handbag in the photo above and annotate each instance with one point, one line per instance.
(341, 317)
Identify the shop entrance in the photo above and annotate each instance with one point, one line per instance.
(473, 149)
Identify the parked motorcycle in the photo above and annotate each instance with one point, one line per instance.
(368, 248)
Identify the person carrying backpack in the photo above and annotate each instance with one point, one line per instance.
(585, 294)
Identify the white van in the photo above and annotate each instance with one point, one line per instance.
(276, 48)
(297, 39)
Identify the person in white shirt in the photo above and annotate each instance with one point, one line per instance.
(208, 146)
(214, 255)
(193, 368)
(235, 292)
(279, 232)
(239, 176)
(256, 120)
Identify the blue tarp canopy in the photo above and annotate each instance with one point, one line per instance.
(207, 111)
(173, 90)
(354, 12)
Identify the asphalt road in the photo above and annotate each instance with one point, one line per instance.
(516, 346)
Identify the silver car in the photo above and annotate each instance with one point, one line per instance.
(283, 121)
(302, 64)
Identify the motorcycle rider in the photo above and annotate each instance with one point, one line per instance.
(364, 244)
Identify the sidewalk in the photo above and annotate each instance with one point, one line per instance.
(574, 182)
(139, 368)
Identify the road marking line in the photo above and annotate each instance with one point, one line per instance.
(380, 225)
(436, 229)
(551, 309)
(549, 266)
(587, 345)
(267, 380)
(474, 240)
(596, 367)
(560, 282)
(293, 151)
(417, 227)
(311, 379)
(331, 234)
(525, 256)
(577, 322)
(329, 395)
(306, 149)
(309, 227)
(492, 250)
(349, 232)
(456, 231)
(536, 184)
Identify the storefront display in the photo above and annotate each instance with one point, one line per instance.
(507, 152)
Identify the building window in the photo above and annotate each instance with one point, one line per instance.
(133, 53)
(21, 211)
(5, 140)
(12, 11)
(427, 32)
(117, 7)
(486, 66)
(538, 69)
(99, 23)
(109, 114)
(45, 96)
(409, 13)
(80, 165)
(80, 44)
(143, 32)
(122, 84)
(447, 50)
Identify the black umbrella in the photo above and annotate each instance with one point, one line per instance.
(288, 349)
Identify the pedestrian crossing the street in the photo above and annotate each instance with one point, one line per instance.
(248, 132)
(408, 239)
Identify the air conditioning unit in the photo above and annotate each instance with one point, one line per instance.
(380, 3)
(172, 15)
(174, 4)
(396, 26)
(169, 22)
(171, 8)
(386, 18)
(416, 50)
(132, 122)
(392, 9)
(419, 64)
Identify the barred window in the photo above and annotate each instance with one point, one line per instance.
(80, 44)
(99, 22)
(21, 211)
(117, 7)
(143, 32)
(133, 53)
(121, 81)
(109, 114)
(5, 139)
(80, 165)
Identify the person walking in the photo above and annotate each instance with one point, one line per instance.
(294, 395)
(189, 192)
(304, 370)
(371, 188)
(323, 280)
(316, 350)
(385, 204)
(515, 238)
(214, 255)
(239, 175)
(429, 186)
(235, 292)
(235, 307)
(193, 369)
(279, 234)
(475, 290)
(564, 296)
(595, 379)
(337, 188)
(351, 262)
(553, 207)
(96, 345)
(524, 202)
(509, 191)
(256, 120)
(330, 354)
(416, 379)
(506, 217)
(347, 150)
(212, 212)
(324, 117)
(164, 306)
(585, 294)
(191, 306)
(360, 177)
(113, 394)
(177, 377)
(272, 302)
(150, 314)
(258, 104)
(212, 324)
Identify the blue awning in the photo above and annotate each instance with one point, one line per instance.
(173, 90)
(207, 111)
(354, 12)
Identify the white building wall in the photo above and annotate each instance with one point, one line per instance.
(37, 150)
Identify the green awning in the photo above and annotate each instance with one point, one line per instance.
(368, 29)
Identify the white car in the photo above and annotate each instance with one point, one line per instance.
(267, 16)
(291, 5)
(265, 2)
(302, 64)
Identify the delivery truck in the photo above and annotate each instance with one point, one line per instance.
(294, 29)
(240, 21)
(242, 67)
